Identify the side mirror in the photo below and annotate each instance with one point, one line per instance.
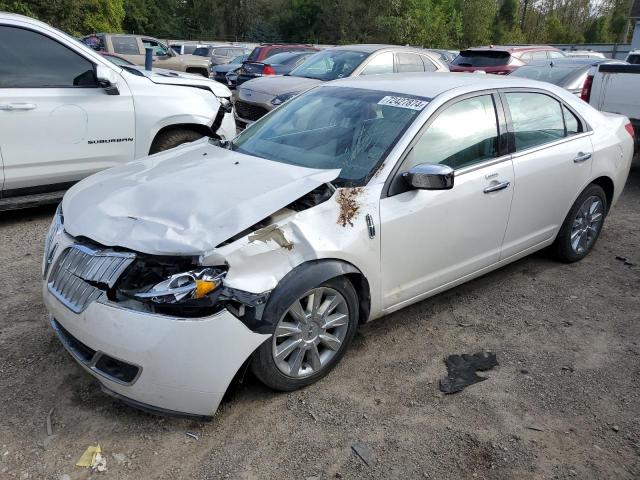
(430, 176)
(107, 79)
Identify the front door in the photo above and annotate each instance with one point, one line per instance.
(162, 58)
(552, 164)
(430, 239)
(56, 124)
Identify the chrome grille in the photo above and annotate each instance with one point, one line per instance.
(79, 268)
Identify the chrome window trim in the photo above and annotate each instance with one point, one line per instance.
(544, 146)
(478, 166)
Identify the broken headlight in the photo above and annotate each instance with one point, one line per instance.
(183, 287)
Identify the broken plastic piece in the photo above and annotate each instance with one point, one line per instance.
(462, 370)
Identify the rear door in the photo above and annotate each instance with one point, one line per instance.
(552, 164)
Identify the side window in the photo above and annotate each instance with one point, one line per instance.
(536, 118)
(408, 62)
(382, 63)
(464, 134)
(573, 125)
(158, 49)
(189, 49)
(223, 52)
(541, 55)
(429, 66)
(32, 60)
(125, 45)
(554, 54)
(526, 57)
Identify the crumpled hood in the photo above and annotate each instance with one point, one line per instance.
(171, 77)
(277, 85)
(184, 201)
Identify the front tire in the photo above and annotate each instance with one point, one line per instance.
(311, 331)
(582, 226)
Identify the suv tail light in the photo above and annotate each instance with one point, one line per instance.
(585, 94)
(268, 70)
(629, 128)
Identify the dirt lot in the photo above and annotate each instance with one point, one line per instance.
(563, 403)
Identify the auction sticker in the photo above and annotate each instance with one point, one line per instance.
(403, 102)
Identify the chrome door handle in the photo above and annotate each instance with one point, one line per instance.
(582, 157)
(17, 106)
(497, 187)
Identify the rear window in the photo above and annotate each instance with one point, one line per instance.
(253, 56)
(125, 45)
(202, 51)
(481, 58)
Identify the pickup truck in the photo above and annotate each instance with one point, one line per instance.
(67, 112)
(614, 88)
(132, 47)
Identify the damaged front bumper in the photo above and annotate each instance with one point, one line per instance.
(156, 362)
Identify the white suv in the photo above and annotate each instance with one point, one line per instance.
(67, 112)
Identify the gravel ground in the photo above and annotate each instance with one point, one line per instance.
(563, 403)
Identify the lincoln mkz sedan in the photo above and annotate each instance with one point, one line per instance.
(166, 275)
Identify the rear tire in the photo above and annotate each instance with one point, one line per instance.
(582, 225)
(172, 139)
(321, 340)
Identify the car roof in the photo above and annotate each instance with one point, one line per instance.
(372, 47)
(575, 62)
(511, 48)
(430, 85)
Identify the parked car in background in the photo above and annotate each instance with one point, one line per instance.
(224, 54)
(257, 97)
(583, 54)
(278, 64)
(569, 73)
(634, 57)
(615, 89)
(446, 56)
(219, 72)
(117, 59)
(132, 48)
(266, 50)
(66, 111)
(501, 60)
(165, 276)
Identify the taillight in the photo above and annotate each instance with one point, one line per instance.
(585, 94)
(268, 70)
(629, 128)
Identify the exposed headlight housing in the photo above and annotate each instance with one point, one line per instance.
(182, 287)
(225, 104)
(282, 98)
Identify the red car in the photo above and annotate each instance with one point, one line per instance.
(501, 60)
(268, 49)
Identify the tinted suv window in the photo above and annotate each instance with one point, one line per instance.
(537, 119)
(32, 60)
(634, 59)
(409, 62)
(462, 135)
(125, 45)
(382, 63)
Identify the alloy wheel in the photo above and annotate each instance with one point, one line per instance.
(587, 224)
(311, 332)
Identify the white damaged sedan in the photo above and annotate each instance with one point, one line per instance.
(163, 277)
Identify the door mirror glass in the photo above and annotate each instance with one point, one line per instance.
(429, 176)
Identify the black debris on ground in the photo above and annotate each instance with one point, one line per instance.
(462, 370)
